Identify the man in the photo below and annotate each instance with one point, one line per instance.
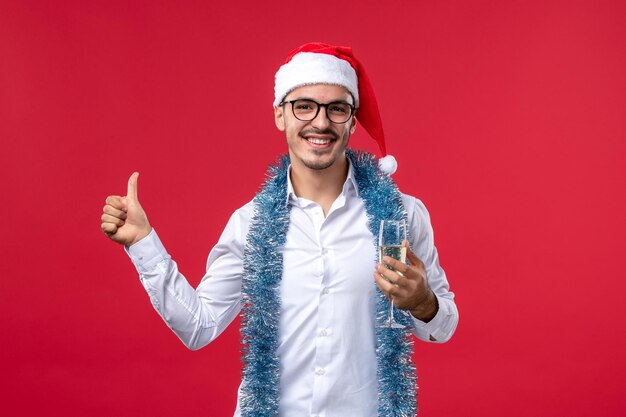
(297, 261)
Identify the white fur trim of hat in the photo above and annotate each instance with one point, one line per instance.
(307, 68)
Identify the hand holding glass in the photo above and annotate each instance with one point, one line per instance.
(392, 234)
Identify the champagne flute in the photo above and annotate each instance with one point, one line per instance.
(392, 234)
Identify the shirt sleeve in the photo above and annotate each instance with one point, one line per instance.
(196, 316)
(442, 326)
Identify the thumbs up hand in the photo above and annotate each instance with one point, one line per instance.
(123, 218)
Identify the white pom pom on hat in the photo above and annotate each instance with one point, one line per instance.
(388, 164)
(320, 63)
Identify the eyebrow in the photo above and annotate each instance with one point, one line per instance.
(329, 102)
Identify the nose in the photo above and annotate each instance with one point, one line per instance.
(321, 121)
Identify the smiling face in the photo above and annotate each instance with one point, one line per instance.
(319, 143)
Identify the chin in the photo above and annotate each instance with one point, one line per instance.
(318, 166)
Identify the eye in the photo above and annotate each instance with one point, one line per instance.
(339, 108)
(302, 105)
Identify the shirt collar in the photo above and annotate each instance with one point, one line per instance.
(349, 184)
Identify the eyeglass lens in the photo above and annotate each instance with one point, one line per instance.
(337, 112)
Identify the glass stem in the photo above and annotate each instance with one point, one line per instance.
(390, 317)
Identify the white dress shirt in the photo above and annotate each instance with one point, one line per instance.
(327, 327)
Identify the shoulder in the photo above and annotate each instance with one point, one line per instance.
(245, 211)
(243, 215)
(415, 207)
(237, 227)
(418, 218)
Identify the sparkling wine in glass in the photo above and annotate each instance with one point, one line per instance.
(392, 234)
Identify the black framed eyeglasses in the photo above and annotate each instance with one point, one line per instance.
(306, 110)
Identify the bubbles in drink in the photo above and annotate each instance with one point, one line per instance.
(397, 252)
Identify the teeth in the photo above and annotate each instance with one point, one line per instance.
(318, 141)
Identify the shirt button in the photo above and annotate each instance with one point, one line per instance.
(325, 290)
(320, 371)
(323, 332)
(324, 251)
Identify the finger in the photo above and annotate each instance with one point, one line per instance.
(385, 286)
(405, 273)
(132, 187)
(397, 266)
(107, 218)
(416, 263)
(413, 259)
(385, 273)
(116, 201)
(396, 278)
(120, 214)
(109, 228)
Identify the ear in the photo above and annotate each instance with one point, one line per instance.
(279, 118)
(353, 125)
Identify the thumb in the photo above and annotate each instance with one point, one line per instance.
(413, 259)
(132, 187)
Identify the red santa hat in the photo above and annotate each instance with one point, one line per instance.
(320, 63)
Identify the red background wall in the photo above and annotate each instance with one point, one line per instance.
(507, 118)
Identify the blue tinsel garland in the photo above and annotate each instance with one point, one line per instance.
(263, 266)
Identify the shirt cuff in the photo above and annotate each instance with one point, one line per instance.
(147, 253)
(443, 324)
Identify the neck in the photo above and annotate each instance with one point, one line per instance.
(322, 186)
